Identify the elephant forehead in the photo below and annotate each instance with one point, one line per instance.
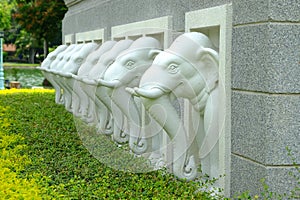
(165, 58)
(127, 56)
(119, 68)
(114, 67)
(114, 71)
(97, 70)
(136, 54)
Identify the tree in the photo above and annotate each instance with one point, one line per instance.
(27, 46)
(11, 28)
(41, 18)
(5, 14)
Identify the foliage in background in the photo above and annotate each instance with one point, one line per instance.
(58, 166)
(32, 25)
(41, 18)
(27, 78)
(6, 7)
(27, 46)
(7, 22)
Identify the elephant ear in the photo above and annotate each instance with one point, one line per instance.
(210, 67)
(205, 54)
(210, 60)
(153, 53)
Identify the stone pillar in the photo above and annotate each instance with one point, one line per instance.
(265, 94)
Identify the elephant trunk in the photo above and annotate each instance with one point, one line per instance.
(162, 110)
(58, 94)
(127, 105)
(153, 93)
(102, 97)
(103, 103)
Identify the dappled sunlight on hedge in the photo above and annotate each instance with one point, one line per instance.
(12, 164)
(13, 90)
(42, 157)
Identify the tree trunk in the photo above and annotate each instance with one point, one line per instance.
(32, 53)
(45, 48)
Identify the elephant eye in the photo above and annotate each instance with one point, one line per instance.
(94, 62)
(109, 63)
(78, 60)
(129, 64)
(173, 68)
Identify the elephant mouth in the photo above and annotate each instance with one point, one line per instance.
(111, 84)
(151, 92)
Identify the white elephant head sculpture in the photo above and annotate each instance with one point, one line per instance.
(67, 56)
(127, 71)
(54, 66)
(79, 98)
(76, 59)
(60, 57)
(188, 69)
(98, 109)
(92, 59)
(52, 56)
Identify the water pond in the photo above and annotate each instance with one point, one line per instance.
(28, 77)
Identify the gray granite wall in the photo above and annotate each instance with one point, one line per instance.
(265, 94)
(97, 14)
(265, 82)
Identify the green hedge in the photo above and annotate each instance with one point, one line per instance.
(50, 161)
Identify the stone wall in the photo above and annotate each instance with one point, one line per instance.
(109, 13)
(265, 94)
(265, 81)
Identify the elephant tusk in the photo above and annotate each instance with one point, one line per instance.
(151, 93)
(131, 91)
(46, 69)
(89, 81)
(76, 77)
(53, 72)
(110, 84)
(67, 74)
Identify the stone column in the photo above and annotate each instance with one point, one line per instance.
(265, 94)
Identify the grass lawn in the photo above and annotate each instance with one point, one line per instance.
(42, 157)
(9, 64)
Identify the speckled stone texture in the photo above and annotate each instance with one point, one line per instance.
(253, 11)
(265, 57)
(265, 103)
(284, 10)
(248, 175)
(264, 125)
(97, 14)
